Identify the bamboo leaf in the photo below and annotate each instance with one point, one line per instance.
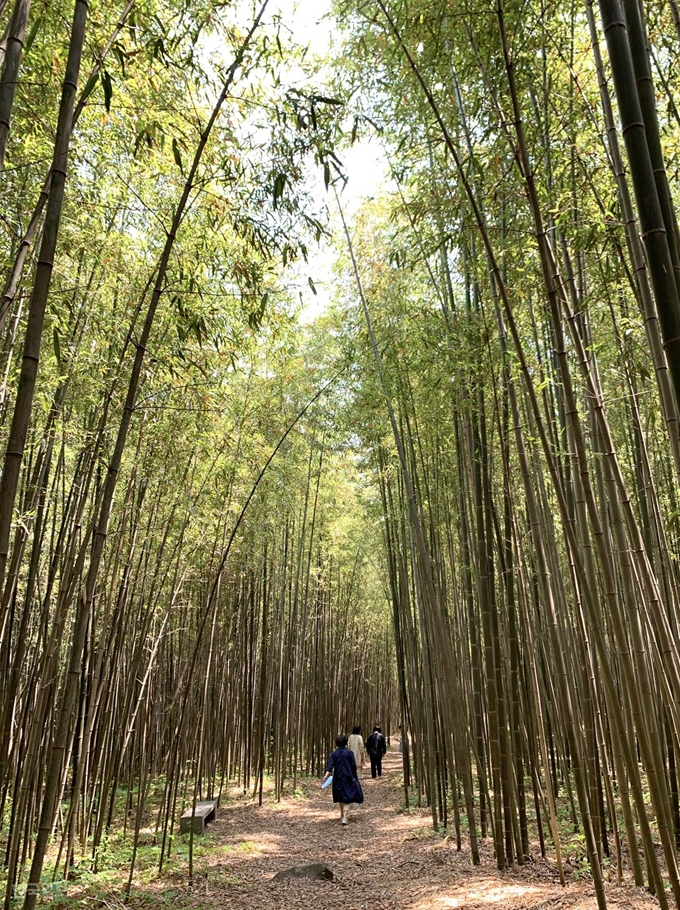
(279, 186)
(108, 89)
(176, 154)
(89, 87)
(32, 34)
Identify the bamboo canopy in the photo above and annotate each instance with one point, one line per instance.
(235, 523)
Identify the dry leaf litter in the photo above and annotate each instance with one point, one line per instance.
(384, 859)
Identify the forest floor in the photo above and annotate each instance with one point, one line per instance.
(385, 859)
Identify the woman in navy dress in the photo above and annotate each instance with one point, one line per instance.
(346, 787)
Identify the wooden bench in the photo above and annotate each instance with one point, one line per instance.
(205, 812)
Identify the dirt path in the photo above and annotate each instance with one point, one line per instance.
(383, 860)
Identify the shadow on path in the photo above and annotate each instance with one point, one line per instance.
(385, 859)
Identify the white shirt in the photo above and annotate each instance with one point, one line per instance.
(356, 744)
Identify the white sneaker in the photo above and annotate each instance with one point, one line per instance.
(343, 821)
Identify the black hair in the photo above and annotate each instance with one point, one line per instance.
(341, 741)
(377, 730)
(356, 730)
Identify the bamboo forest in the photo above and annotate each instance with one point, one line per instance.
(340, 394)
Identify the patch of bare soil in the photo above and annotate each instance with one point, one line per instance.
(383, 860)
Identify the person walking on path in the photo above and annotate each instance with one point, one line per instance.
(346, 787)
(376, 748)
(356, 744)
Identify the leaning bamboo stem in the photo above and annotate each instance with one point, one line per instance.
(14, 452)
(654, 234)
(101, 529)
(10, 70)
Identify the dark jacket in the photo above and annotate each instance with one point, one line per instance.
(376, 745)
(346, 787)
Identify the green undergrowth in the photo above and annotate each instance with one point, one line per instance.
(103, 883)
(572, 838)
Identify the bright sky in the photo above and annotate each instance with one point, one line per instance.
(364, 164)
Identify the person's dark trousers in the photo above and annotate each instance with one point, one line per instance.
(376, 765)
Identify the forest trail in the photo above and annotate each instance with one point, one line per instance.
(384, 859)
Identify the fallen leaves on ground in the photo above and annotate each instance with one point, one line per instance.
(384, 859)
